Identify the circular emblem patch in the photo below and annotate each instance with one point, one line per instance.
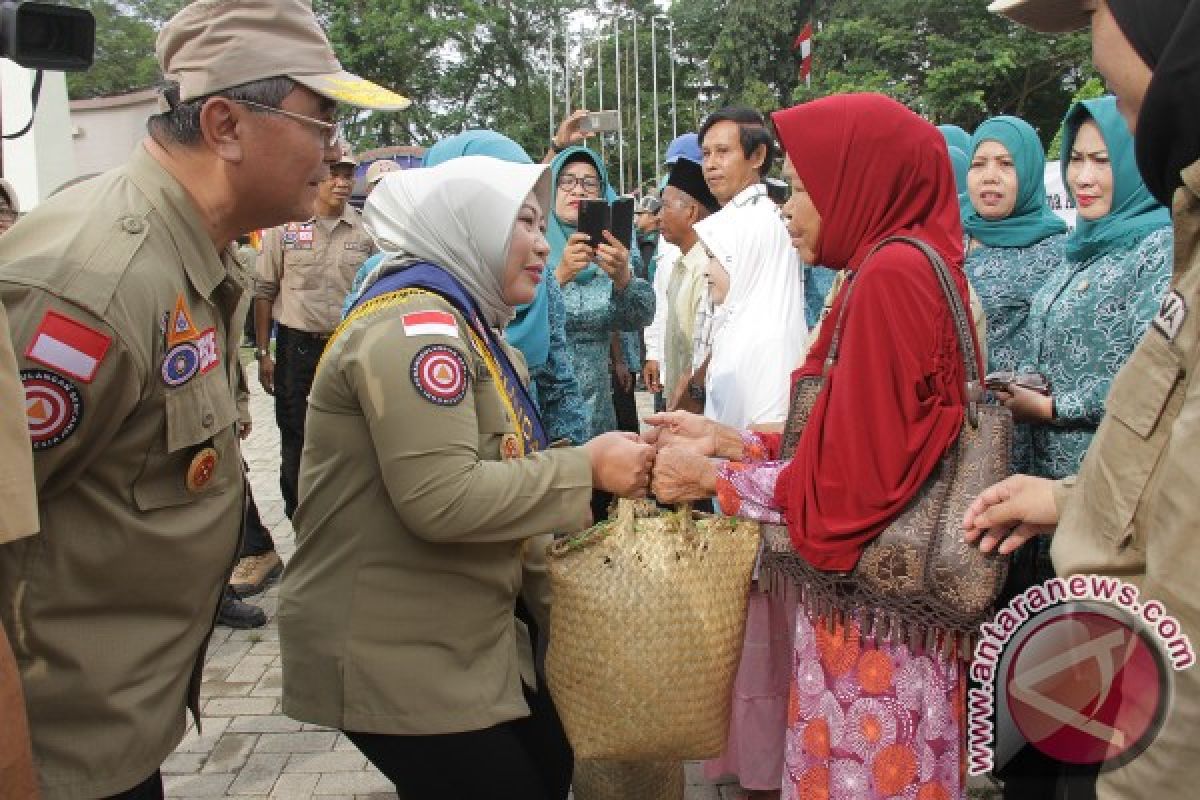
(53, 407)
(181, 364)
(201, 470)
(440, 374)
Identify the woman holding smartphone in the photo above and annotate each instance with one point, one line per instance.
(602, 293)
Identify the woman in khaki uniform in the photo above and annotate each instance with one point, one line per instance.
(424, 476)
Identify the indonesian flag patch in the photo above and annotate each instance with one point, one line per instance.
(439, 374)
(68, 346)
(430, 323)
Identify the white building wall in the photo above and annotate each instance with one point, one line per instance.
(42, 160)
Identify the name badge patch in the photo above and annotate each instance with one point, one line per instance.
(439, 374)
(53, 407)
(1171, 314)
(207, 347)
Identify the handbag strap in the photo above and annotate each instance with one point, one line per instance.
(972, 385)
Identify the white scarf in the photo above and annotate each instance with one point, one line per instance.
(460, 216)
(761, 334)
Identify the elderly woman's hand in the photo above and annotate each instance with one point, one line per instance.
(575, 257)
(680, 475)
(613, 258)
(684, 430)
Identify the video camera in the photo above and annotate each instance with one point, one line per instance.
(47, 37)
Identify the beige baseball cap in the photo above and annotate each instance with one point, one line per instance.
(378, 169)
(1047, 16)
(214, 44)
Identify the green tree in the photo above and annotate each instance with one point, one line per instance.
(124, 56)
(949, 60)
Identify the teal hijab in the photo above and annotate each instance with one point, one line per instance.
(1031, 219)
(529, 330)
(956, 137)
(961, 163)
(477, 143)
(1135, 212)
(557, 231)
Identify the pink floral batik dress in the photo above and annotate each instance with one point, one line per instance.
(865, 720)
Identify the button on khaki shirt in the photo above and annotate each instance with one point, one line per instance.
(109, 608)
(306, 268)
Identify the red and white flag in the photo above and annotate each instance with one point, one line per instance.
(430, 323)
(68, 346)
(803, 43)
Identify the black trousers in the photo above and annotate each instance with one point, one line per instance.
(257, 539)
(296, 357)
(625, 404)
(509, 761)
(149, 789)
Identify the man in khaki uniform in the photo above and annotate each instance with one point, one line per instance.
(305, 270)
(18, 518)
(1134, 509)
(121, 295)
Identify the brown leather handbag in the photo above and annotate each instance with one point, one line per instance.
(918, 579)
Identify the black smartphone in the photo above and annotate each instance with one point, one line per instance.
(594, 218)
(622, 221)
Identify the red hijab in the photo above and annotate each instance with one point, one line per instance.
(894, 401)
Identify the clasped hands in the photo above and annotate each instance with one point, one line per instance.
(672, 458)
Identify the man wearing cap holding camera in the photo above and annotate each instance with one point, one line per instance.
(305, 270)
(121, 295)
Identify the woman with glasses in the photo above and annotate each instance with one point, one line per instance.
(602, 293)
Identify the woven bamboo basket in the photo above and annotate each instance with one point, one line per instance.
(646, 632)
(628, 780)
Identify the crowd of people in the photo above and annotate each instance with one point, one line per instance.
(453, 371)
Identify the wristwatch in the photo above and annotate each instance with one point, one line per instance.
(260, 353)
(554, 148)
(695, 391)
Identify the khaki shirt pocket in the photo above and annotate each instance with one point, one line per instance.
(201, 413)
(301, 270)
(1130, 443)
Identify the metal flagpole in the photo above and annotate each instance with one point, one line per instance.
(654, 73)
(550, 76)
(600, 83)
(671, 55)
(637, 100)
(620, 115)
(582, 68)
(566, 70)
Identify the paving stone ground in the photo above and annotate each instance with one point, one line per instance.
(247, 748)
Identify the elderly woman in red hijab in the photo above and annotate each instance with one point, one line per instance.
(865, 720)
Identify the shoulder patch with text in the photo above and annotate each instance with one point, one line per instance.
(1171, 315)
(53, 407)
(439, 374)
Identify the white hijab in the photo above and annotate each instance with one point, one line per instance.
(460, 216)
(762, 334)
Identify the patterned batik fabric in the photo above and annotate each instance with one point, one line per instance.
(869, 722)
(1006, 279)
(593, 311)
(1085, 321)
